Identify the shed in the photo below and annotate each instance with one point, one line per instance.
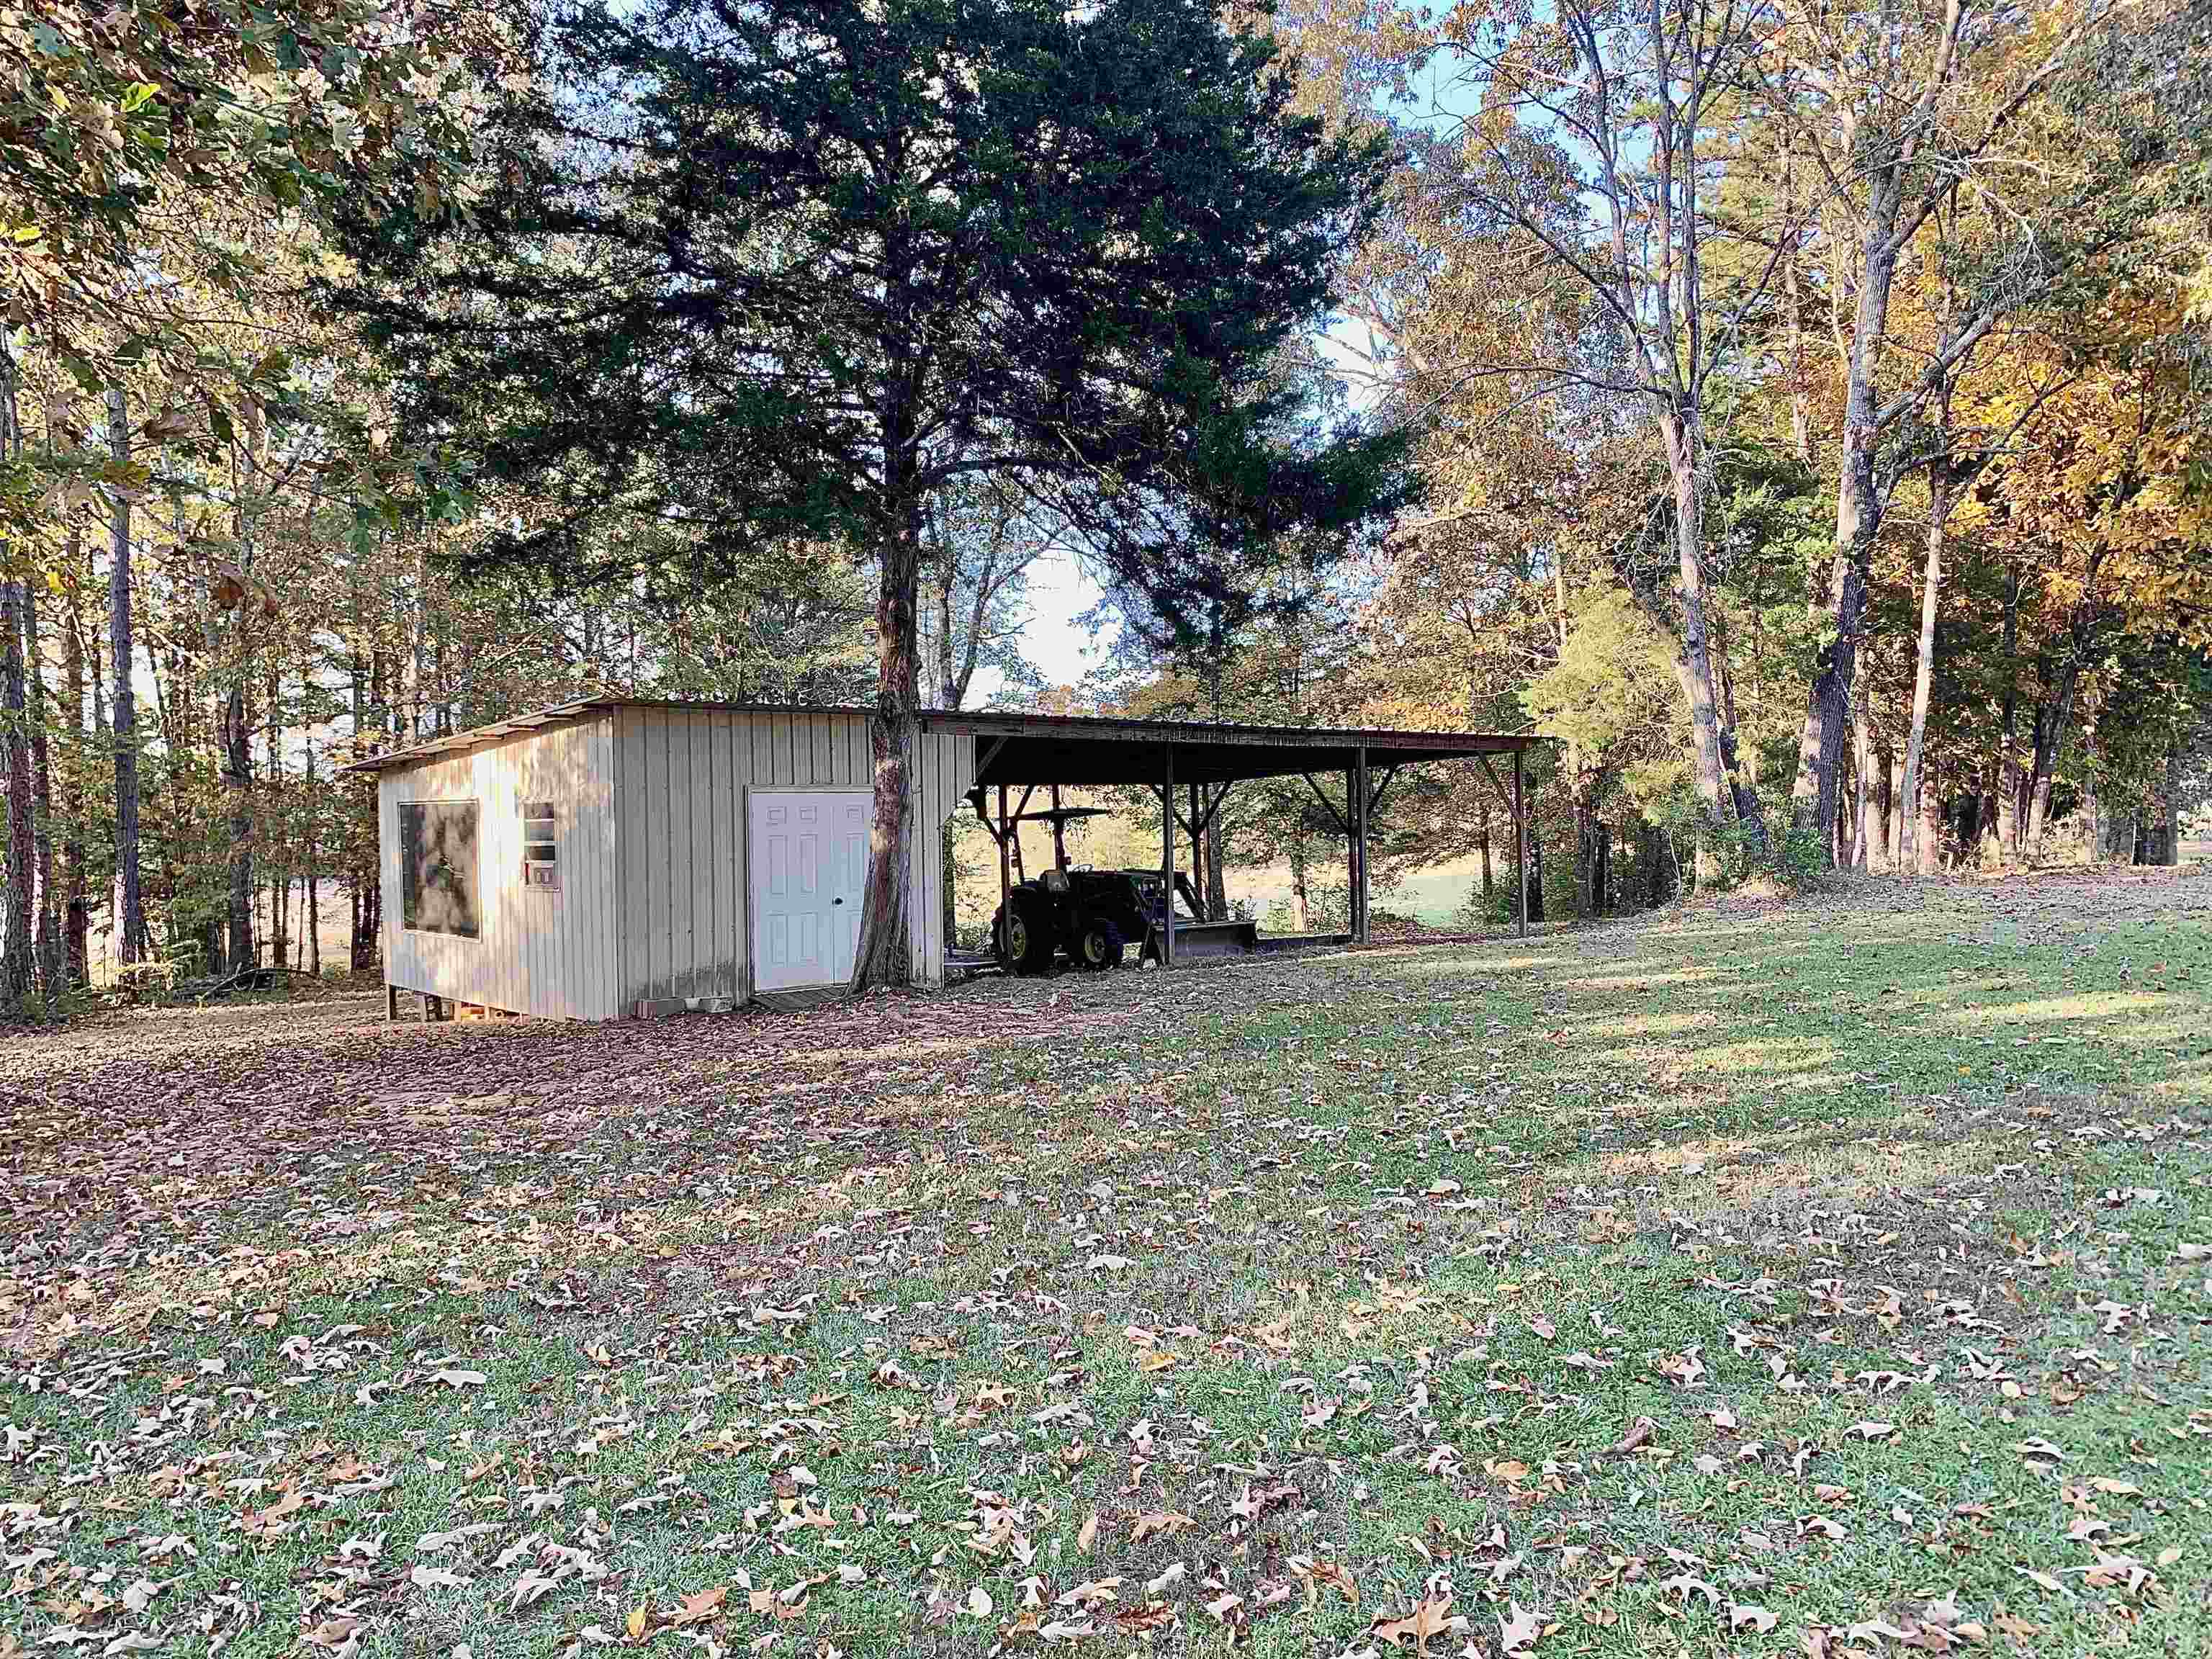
(614, 857)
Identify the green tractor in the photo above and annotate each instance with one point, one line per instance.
(1092, 917)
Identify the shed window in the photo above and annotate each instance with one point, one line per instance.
(541, 847)
(438, 866)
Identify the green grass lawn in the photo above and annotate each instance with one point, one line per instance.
(1829, 1277)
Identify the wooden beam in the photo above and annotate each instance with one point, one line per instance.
(1323, 799)
(1503, 793)
(1167, 860)
(1380, 790)
(1356, 793)
(985, 758)
(1005, 873)
(1519, 854)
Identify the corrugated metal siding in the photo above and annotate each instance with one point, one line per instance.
(683, 929)
(536, 952)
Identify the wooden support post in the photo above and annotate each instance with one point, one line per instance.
(1519, 854)
(1168, 863)
(1002, 834)
(1359, 849)
(391, 1003)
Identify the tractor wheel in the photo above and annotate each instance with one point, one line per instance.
(1099, 945)
(1023, 946)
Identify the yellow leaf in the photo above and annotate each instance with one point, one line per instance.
(635, 1623)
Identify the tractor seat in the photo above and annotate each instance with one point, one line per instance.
(1054, 881)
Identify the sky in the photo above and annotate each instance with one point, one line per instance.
(1062, 649)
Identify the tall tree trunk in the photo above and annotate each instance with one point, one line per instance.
(314, 858)
(1534, 889)
(2010, 815)
(2050, 733)
(1743, 779)
(1589, 857)
(42, 803)
(1923, 673)
(18, 946)
(1862, 769)
(2170, 848)
(1708, 768)
(130, 907)
(882, 958)
(1858, 518)
(1931, 830)
(77, 887)
(1482, 841)
(17, 949)
(233, 733)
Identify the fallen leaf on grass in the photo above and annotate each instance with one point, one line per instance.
(1743, 1614)
(459, 1379)
(979, 1602)
(1639, 1434)
(1317, 1573)
(1163, 1522)
(1431, 1616)
(1870, 1431)
(701, 1607)
(1088, 1535)
(1519, 1633)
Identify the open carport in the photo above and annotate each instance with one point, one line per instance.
(1191, 766)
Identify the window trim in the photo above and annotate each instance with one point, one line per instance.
(548, 837)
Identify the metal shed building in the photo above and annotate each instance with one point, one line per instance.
(616, 857)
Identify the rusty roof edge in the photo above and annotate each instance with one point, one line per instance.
(993, 721)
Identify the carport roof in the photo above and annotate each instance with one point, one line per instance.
(1018, 748)
(1084, 749)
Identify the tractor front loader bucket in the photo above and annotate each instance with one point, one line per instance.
(1193, 939)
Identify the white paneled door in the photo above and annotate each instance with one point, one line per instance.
(809, 859)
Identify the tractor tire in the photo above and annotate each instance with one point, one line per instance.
(1024, 947)
(1098, 946)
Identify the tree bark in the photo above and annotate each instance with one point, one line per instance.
(1534, 893)
(1858, 516)
(17, 941)
(2169, 852)
(1863, 768)
(129, 907)
(1923, 673)
(42, 803)
(76, 900)
(882, 958)
(1683, 435)
(2050, 732)
(2004, 761)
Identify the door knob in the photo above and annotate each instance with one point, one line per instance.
(836, 901)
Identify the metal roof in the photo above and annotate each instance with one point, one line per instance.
(1014, 748)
